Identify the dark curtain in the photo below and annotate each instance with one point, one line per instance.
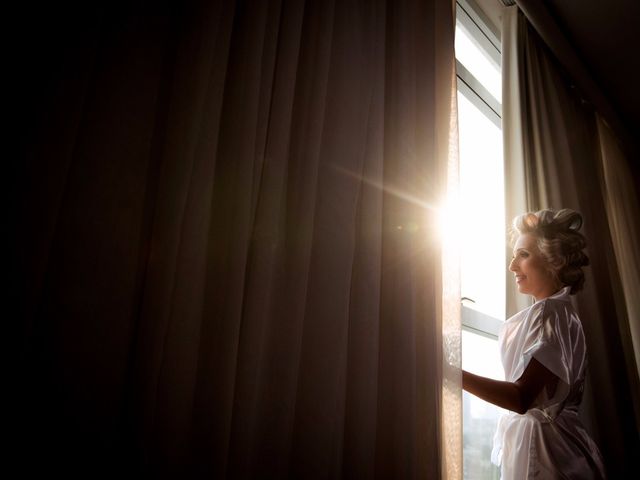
(226, 255)
(563, 169)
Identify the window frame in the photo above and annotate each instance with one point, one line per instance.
(478, 26)
(486, 34)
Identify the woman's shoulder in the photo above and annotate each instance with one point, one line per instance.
(556, 304)
(558, 314)
(550, 309)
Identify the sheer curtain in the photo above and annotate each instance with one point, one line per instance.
(562, 158)
(229, 246)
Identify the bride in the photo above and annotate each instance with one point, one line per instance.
(543, 353)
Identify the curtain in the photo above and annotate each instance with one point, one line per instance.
(516, 201)
(228, 250)
(562, 166)
(621, 205)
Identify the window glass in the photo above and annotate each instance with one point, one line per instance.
(480, 356)
(478, 62)
(482, 245)
(482, 233)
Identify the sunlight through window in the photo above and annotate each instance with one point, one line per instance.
(479, 64)
(481, 230)
(482, 210)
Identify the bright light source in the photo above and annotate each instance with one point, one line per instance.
(481, 224)
(449, 220)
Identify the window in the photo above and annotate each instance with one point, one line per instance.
(483, 235)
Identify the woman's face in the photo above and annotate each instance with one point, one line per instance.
(530, 269)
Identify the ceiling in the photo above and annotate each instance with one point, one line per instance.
(606, 36)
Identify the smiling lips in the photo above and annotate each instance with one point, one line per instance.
(519, 278)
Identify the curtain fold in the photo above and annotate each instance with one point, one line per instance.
(516, 200)
(620, 198)
(242, 273)
(562, 169)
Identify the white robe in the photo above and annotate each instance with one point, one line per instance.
(548, 441)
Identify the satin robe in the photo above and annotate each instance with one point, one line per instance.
(549, 440)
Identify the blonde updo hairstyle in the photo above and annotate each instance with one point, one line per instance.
(559, 242)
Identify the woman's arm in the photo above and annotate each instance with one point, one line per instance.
(515, 396)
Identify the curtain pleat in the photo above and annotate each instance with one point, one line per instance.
(620, 197)
(513, 144)
(242, 273)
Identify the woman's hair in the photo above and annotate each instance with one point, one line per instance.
(559, 241)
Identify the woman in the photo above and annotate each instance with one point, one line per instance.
(544, 357)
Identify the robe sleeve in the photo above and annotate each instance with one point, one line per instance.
(547, 341)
